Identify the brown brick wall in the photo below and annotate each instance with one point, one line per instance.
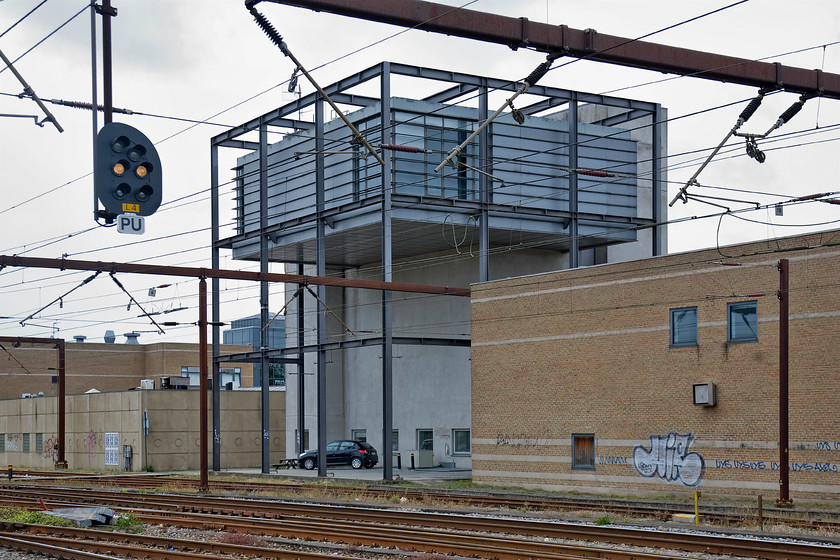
(106, 367)
(587, 351)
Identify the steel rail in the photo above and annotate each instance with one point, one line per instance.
(653, 510)
(342, 524)
(53, 551)
(167, 547)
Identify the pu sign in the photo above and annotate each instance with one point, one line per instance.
(131, 223)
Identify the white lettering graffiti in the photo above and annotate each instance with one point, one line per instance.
(669, 459)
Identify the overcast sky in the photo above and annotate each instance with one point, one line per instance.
(207, 60)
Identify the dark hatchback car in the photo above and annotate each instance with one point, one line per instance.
(357, 454)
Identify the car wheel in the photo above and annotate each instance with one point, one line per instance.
(309, 463)
(356, 462)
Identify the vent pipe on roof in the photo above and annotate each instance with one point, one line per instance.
(131, 337)
(110, 337)
(79, 338)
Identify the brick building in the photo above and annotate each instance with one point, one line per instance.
(32, 368)
(136, 430)
(586, 379)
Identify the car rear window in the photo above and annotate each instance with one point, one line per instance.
(365, 445)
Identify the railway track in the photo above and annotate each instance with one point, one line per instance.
(723, 515)
(499, 537)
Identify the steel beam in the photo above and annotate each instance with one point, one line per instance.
(587, 44)
(192, 272)
(320, 270)
(346, 344)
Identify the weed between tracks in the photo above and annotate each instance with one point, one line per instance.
(20, 515)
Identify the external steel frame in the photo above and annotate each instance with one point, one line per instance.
(387, 200)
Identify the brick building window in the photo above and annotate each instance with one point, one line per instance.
(25, 443)
(39, 443)
(743, 322)
(460, 442)
(2, 443)
(583, 451)
(684, 326)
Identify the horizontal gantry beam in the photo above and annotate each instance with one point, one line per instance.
(191, 272)
(589, 44)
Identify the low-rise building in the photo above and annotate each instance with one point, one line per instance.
(136, 430)
(32, 369)
(661, 374)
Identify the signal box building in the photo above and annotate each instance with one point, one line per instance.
(576, 182)
(662, 374)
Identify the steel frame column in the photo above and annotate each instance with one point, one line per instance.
(264, 401)
(658, 182)
(215, 302)
(202, 384)
(484, 186)
(784, 340)
(574, 241)
(387, 276)
(61, 461)
(301, 400)
(320, 270)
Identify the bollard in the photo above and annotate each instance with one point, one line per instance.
(399, 462)
(412, 461)
(11, 471)
(697, 507)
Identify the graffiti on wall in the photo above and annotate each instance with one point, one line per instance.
(521, 440)
(92, 441)
(670, 459)
(50, 448)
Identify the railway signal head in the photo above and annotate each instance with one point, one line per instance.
(127, 176)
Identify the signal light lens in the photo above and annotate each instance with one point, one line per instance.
(144, 193)
(120, 143)
(136, 153)
(121, 190)
(141, 171)
(118, 168)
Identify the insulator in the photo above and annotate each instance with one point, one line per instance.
(750, 109)
(401, 148)
(811, 196)
(538, 73)
(789, 114)
(593, 172)
(269, 30)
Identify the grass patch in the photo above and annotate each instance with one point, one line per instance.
(128, 521)
(604, 520)
(20, 515)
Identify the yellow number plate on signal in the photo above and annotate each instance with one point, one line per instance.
(131, 208)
